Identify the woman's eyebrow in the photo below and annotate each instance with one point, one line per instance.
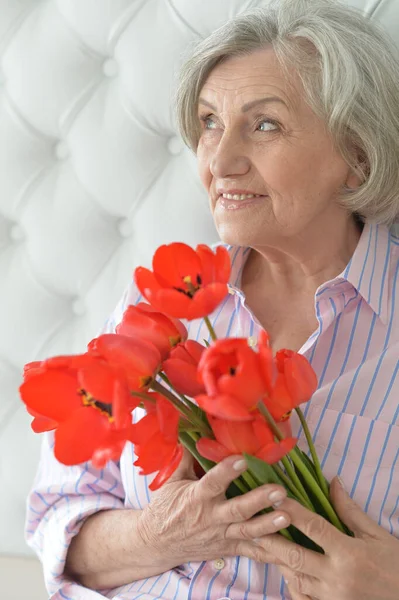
(246, 107)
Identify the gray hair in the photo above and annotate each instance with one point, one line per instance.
(349, 70)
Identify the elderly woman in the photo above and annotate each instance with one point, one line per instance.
(293, 113)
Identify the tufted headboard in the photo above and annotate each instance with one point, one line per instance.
(93, 177)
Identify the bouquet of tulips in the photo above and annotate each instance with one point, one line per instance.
(217, 399)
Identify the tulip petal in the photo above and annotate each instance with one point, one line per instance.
(272, 453)
(236, 436)
(301, 380)
(222, 265)
(175, 262)
(224, 407)
(145, 429)
(77, 438)
(168, 419)
(98, 380)
(173, 303)
(212, 450)
(52, 394)
(183, 377)
(146, 282)
(206, 300)
(207, 259)
(167, 471)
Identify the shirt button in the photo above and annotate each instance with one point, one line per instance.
(219, 564)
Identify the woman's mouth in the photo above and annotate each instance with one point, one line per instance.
(233, 203)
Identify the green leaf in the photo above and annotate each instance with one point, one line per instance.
(189, 443)
(207, 344)
(264, 473)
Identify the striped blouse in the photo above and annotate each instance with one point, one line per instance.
(353, 417)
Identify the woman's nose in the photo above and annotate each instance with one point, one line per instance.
(229, 159)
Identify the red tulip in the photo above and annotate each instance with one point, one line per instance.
(235, 378)
(137, 359)
(295, 383)
(156, 440)
(86, 400)
(143, 322)
(181, 368)
(185, 283)
(252, 437)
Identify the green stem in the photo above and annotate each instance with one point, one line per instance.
(287, 481)
(184, 410)
(298, 484)
(316, 462)
(253, 484)
(186, 400)
(143, 396)
(210, 328)
(313, 485)
(287, 465)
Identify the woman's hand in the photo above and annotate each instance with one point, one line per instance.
(191, 520)
(366, 566)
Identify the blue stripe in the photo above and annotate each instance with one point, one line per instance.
(388, 391)
(190, 591)
(334, 384)
(232, 582)
(61, 593)
(154, 584)
(388, 486)
(79, 479)
(134, 470)
(307, 408)
(266, 572)
(341, 464)
(377, 470)
(210, 586)
(374, 261)
(365, 260)
(178, 585)
(348, 396)
(387, 256)
(392, 514)
(364, 453)
(42, 499)
(249, 580)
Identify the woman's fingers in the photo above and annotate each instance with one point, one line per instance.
(258, 526)
(244, 507)
(301, 587)
(215, 483)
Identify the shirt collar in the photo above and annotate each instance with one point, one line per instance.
(367, 270)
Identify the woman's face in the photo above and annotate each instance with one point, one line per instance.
(260, 137)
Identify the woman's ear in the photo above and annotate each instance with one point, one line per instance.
(356, 178)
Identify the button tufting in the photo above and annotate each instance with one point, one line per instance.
(61, 150)
(110, 67)
(175, 145)
(125, 228)
(78, 307)
(219, 564)
(17, 233)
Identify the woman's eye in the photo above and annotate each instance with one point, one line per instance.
(208, 122)
(271, 125)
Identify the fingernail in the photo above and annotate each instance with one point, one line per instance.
(341, 483)
(280, 521)
(276, 498)
(240, 465)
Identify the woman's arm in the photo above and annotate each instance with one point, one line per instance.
(109, 551)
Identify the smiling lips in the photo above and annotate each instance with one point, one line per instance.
(235, 201)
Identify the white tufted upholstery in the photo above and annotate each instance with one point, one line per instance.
(93, 179)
